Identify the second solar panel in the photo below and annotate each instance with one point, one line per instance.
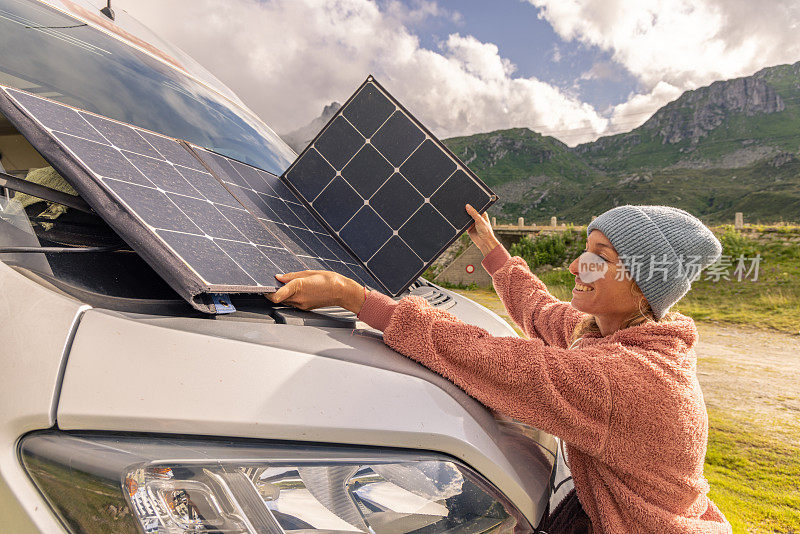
(386, 187)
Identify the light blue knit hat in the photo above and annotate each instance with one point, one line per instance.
(663, 248)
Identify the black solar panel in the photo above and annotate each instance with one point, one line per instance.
(386, 187)
(225, 238)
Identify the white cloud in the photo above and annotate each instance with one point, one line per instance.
(675, 45)
(640, 107)
(289, 58)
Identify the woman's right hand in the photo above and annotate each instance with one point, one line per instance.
(481, 231)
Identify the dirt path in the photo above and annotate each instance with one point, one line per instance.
(752, 374)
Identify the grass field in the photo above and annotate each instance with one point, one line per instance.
(755, 479)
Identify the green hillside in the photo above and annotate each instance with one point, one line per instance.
(731, 146)
(517, 154)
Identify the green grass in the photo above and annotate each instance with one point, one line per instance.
(755, 479)
(772, 300)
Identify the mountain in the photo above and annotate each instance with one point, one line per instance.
(528, 171)
(731, 146)
(299, 139)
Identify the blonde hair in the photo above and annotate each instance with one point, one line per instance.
(643, 315)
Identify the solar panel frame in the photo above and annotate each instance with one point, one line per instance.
(376, 127)
(143, 236)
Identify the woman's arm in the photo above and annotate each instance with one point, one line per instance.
(527, 300)
(537, 312)
(564, 392)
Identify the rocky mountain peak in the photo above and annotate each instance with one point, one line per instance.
(301, 137)
(698, 112)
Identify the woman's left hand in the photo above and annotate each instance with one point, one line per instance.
(308, 290)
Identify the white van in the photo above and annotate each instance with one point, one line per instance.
(123, 409)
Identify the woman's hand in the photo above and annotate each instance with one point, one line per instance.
(481, 231)
(308, 290)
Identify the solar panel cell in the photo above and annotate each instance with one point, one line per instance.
(152, 206)
(103, 160)
(368, 110)
(162, 174)
(426, 231)
(316, 173)
(275, 187)
(337, 203)
(340, 144)
(367, 171)
(427, 168)
(223, 169)
(208, 186)
(390, 264)
(457, 191)
(396, 200)
(172, 150)
(285, 260)
(397, 138)
(255, 263)
(365, 233)
(120, 136)
(56, 116)
(251, 177)
(207, 259)
(252, 229)
(206, 216)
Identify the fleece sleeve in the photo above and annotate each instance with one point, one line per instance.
(527, 300)
(563, 392)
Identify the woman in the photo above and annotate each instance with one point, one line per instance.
(611, 373)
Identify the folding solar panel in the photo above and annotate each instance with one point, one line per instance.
(376, 197)
(171, 206)
(391, 192)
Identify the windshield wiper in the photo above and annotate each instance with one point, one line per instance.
(45, 193)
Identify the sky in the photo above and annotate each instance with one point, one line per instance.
(573, 69)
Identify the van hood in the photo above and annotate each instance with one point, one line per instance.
(248, 378)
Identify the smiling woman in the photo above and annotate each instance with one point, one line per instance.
(605, 290)
(624, 397)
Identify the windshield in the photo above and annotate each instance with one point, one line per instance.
(59, 57)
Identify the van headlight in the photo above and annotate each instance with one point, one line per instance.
(100, 483)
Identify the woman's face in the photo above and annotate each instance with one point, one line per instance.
(600, 288)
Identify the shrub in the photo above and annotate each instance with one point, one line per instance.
(735, 244)
(551, 249)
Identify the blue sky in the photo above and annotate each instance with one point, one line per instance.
(533, 46)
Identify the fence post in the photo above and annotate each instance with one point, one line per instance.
(494, 222)
(738, 220)
(521, 222)
(553, 221)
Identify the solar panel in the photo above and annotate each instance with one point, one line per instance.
(386, 187)
(375, 197)
(195, 225)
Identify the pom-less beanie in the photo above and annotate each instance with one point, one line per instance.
(663, 248)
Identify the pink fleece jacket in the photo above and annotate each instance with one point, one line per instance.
(628, 405)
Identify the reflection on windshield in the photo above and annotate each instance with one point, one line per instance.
(50, 54)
